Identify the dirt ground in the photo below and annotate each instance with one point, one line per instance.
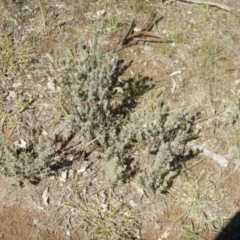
(204, 197)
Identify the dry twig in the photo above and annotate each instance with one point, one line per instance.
(213, 4)
(222, 161)
(129, 38)
(130, 30)
(145, 34)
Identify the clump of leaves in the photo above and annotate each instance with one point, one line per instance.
(154, 147)
(94, 98)
(83, 101)
(91, 115)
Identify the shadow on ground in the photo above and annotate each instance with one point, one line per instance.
(232, 230)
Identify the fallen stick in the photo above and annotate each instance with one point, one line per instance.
(154, 40)
(145, 34)
(129, 32)
(213, 4)
(222, 161)
(130, 36)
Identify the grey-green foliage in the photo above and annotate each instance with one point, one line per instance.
(94, 118)
(88, 83)
(75, 119)
(164, 138)
(155, 147)
(147, 146)
(27, 163)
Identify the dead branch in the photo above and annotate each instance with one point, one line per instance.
(154, 40)
(208, 153)
(130, 36)
(145, 34)
(213, 4)
(151, 22)
(129, 32)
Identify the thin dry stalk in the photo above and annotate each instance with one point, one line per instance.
(213, 4)
(41, 9)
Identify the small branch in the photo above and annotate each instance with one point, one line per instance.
(154, 40)
(151, 22)
(129, 32)
(130, 36)
(146, 34)
(222, 161)
(123, 42)
(213, 4)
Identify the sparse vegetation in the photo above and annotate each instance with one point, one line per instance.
(207, 54)
(94, 113)
(68, 100)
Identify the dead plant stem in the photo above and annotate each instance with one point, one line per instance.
(213, 4)
(41, 9)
